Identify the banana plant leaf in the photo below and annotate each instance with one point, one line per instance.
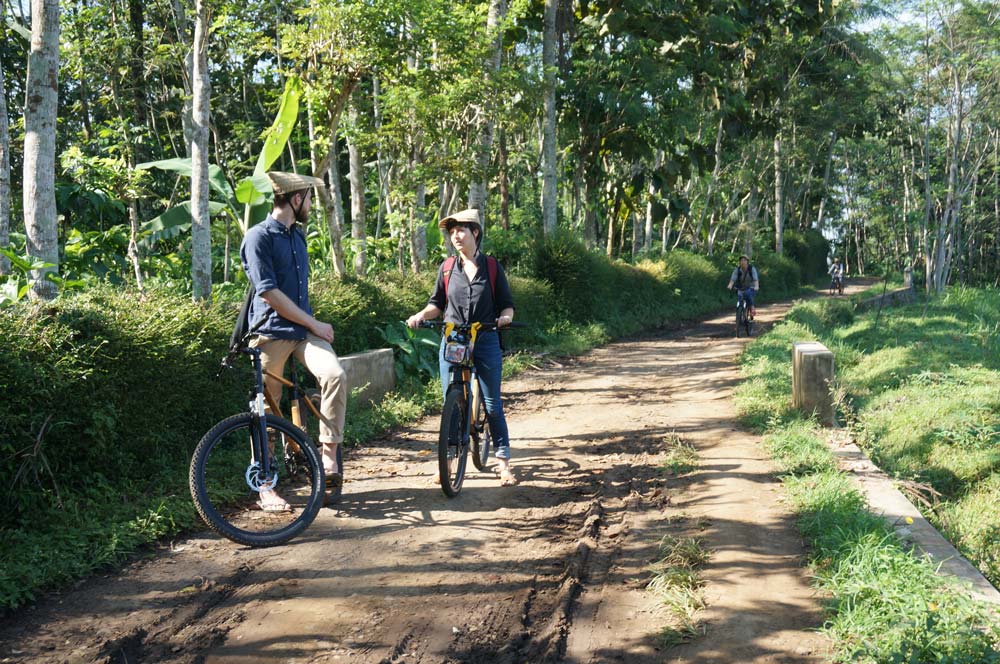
(216, 178)
(175, 221)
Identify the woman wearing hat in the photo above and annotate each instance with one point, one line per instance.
(473, 297)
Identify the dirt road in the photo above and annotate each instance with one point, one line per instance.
(553, 570)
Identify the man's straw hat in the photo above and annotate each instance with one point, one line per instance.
(287, 183)
(470, 216)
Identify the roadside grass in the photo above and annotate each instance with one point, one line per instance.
(920, 395)
(677, 585)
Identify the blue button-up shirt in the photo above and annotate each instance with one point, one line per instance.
(276, 257)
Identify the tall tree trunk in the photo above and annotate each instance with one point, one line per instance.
(549, 180)
(636, 234)
(826, 181)
(590, 233)
(201, 233)
(4, 175)
(136, 64)
(504, 181)
(477, 189)
(651, 193)
(711, 186)
(357, 179)
(779, 200)
(183, 28)
(925, 230)
(380, 158)
(40, 107)
(332, 198)
(948, 224)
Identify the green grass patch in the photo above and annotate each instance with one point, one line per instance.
(680, 457)
(920, 394)
(677, 585)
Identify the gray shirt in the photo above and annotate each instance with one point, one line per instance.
(471, 301)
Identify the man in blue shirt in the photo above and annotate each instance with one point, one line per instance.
(275, 258)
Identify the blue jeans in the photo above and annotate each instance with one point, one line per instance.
(489, 364)
(746, 294)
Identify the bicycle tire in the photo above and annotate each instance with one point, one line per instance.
(454, 417)
(739, 319)
(482, 438)
(222, 494)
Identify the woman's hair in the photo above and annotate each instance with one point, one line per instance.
(472, 226)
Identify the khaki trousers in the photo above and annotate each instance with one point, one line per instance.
(317, 356)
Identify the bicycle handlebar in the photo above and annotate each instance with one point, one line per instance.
(483, 327)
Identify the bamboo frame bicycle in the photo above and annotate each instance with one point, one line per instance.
(463, 418)
(301, 401)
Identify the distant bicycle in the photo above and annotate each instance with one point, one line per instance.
(463, 418)
(837, 285)
(744, 324)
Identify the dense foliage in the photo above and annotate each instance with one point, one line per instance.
(711, 126)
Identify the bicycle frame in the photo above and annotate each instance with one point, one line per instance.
(464, 372)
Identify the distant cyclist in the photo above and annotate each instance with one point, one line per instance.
(747, 282)
(837, 275)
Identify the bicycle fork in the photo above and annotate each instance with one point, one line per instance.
(259, 475)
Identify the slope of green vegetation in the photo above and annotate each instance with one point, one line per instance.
(919, 392)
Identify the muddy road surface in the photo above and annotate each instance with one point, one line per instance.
(552, 570)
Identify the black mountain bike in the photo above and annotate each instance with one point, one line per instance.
(743, 322)
(837, 285)
(250, 452)
(463, 418)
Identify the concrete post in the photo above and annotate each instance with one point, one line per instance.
(812, 378)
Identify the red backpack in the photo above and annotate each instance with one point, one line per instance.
(491, 269)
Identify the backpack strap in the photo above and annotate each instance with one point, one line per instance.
(446, 269)
(492, 269)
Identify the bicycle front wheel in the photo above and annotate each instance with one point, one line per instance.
(482, 439)
(453, 443)
(225, 481)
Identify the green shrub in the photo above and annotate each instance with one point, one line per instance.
(809, 250)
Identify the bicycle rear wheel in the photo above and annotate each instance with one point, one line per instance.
(739, 319)
(482, 439)
(453, 443)
(225, 481)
